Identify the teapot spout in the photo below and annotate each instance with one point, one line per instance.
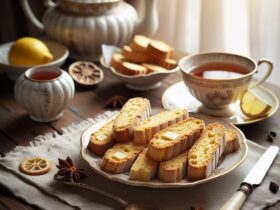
(147, 24)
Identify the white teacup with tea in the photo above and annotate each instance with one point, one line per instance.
(218, 80)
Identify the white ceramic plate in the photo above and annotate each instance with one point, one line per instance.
(59, 52)
(226, 164)
(179, 96)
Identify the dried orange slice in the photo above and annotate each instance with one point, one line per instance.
(35, 166)
(86, 73)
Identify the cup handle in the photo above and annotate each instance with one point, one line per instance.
(268, 72)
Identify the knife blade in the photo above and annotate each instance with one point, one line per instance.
(259, 170)
(253, 179)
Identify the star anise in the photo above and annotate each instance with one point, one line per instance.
(69, 171)
(116, 101)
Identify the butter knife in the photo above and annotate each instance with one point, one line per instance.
(253, 179)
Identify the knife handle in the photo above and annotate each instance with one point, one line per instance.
(238, 198)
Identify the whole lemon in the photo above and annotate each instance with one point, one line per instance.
(28, 51)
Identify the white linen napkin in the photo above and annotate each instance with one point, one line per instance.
(44, 192)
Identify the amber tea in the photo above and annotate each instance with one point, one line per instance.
(219, 71)
(44, 75)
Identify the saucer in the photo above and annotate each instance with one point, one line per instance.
(178, 96)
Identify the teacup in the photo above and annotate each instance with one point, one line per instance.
(44, 92)
(217, 94)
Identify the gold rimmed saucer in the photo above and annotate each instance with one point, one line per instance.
(178, 96)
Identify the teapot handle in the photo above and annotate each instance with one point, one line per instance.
(30, 15)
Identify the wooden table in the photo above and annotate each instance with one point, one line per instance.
(17, 129)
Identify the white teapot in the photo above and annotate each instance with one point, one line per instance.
(84, 25)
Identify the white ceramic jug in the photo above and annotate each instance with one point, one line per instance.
(44, 92)
(83, 25)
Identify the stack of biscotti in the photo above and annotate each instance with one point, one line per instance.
(175, 139)
(145, 131)
(204, 155)
(143, 56)
(168, 144)
(120, 157)
(132, 113)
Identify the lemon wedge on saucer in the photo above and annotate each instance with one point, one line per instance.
(29, 51)
(254, 106)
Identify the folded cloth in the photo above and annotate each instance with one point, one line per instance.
(44, 192)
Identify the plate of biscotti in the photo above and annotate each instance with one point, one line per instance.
(141, 64)
(158, 148)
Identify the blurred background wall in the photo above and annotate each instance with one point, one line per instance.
(248, 27)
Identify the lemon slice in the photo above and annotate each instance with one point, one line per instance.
(35, 166)
(253, 106)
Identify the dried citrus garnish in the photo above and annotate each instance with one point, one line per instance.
(86, 73)
(35, 166)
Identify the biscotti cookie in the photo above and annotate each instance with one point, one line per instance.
(102, 140)
(145, 131)
(166, 63)
(159, 49)
(116, 62)
(135, 57)
(143, 168)
(174, 170)
(204, 155)
(132, 69)
(151, 68)
(120, 157)
(175, 139)
(232, 141)
(139, 43)
(132, 113)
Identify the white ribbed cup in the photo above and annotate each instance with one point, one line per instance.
(44, 100)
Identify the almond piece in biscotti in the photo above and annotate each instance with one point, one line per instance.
(145, 131)
(175, 139)
(120, 157)
(204, 155)
(132, 113)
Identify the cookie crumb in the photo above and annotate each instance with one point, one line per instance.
(273, 187)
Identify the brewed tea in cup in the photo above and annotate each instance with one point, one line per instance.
(219, 79)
